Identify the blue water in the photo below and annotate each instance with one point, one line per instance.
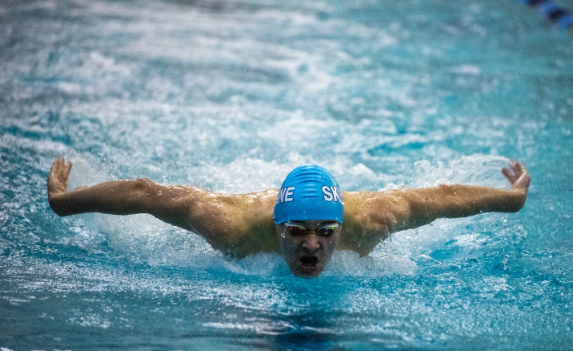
(231, 95)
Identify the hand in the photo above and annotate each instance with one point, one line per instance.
(58, 178)
(518, 176)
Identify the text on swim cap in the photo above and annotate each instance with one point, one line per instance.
(285, 195)
(331, 193)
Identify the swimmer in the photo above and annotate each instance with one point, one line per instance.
(306, 220)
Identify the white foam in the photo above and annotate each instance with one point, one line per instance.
(43, 147)
(468, 69)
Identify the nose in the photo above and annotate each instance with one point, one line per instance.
(311, 242)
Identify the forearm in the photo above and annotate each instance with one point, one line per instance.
(116, 197)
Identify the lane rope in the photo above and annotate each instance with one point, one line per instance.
(562, 17)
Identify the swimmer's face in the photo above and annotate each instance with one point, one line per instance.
(308, 245)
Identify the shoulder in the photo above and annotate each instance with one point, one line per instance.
(373, 209)
(256, 230)
(235, 224)
(370, 217)
(366, 221)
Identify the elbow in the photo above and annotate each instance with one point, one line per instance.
(142, 185)
(142, 192)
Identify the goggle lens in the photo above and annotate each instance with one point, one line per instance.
(300, 230)
(296, 230)
(326, 231)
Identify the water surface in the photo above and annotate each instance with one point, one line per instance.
(230, 96)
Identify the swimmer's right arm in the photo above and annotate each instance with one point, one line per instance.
(123, 197)
(222, 219)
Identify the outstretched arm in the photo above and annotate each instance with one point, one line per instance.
(223, 220)
(119, 197)
(452, 201)
(376, 215)
(422, 206)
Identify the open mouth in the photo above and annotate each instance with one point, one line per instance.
(309, 261)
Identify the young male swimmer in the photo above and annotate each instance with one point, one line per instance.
(306, 219)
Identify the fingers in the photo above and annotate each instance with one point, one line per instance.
(67, 169)
(53, 179)
(54, 166)
(509, 175)
(514, 172)
(61, 168)
(516, 167)
(517, 175)
(521, 168)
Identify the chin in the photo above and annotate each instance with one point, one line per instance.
(307, 271)
(313, 275)
(307, 274)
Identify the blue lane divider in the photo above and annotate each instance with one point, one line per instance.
(553, 12)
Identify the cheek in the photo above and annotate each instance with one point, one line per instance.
(290, 245)
(330, 243)
(287, 245)
(288, 250)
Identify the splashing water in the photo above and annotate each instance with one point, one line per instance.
(230, 96)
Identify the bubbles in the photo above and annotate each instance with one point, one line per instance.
(383, 262)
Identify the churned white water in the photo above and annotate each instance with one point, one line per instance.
(230, 96)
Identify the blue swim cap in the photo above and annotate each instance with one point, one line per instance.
(309, 193)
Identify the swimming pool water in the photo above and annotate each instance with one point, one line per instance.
(230, 96)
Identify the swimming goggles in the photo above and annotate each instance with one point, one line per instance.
(295, 229)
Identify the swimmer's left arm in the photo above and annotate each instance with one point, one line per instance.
(372, 216)
(417, 207)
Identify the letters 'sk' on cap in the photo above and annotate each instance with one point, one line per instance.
(309, 193)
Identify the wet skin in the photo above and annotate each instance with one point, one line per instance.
(242, 224)
(307, 252)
